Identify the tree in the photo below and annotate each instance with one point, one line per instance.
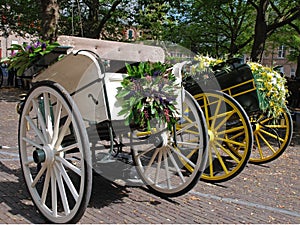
(49, 23)
(94, 18)
(271, 15)
(290, 36)
(214, 27)
(22, 17)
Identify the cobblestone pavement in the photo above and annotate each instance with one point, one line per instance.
(260, 194)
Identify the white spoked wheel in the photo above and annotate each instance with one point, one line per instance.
(171, 163)
(54, 153)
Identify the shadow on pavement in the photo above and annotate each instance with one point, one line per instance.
(14, 194)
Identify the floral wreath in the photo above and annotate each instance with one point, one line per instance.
(148, 92)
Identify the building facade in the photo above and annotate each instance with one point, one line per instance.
(277, 56)
(6, 42)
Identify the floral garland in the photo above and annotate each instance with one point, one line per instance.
(27, 55)
(148, 92)
(271, 89)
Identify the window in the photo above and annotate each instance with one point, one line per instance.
(281, 51)
(293, 72)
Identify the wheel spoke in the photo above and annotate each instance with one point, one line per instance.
(39, 175)
(221, 123)
(210, 160)
(61, 189)
(69, 165)
(36, 130)
(33, 143)
(48, 114)
(183, 157)
(151, 160)
(191, 144)
(41, 119)
(266, 142)
(220, 159)
(157, 172)
(185, 128)
(63, 132)
(232, 156)
(216, 111)
(53, 193)
(57, 118)
(258, 148)
(68, 181)
(271, 135)
(46, 186)
(175, 165)
(167, 169)
(242, 144)
(69, 147)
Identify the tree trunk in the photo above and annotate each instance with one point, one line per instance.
(297, 74)
(50, 17)
(260, 35)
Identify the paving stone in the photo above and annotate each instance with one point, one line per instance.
(267, 194)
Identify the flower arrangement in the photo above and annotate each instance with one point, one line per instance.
(271, 88)
(148, 93)
(205, 62)
(270, 85)
(27, 55)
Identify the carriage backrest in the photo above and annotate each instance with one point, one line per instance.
(117, 53)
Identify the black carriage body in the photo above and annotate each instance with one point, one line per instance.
(236, 80)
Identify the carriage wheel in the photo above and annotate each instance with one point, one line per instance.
(162, 158)
(54, 153)
(230, 136)
(271, 137)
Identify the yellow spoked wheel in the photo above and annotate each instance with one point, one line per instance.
(271, 137)
(230, 136)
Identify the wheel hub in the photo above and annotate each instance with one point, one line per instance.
(39, 156)
(257, 127)
(161, 140)
(211, 135)
(43, 155)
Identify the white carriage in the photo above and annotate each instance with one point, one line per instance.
(74, 99)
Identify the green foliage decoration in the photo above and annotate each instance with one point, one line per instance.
(149, 93)
(26, 55)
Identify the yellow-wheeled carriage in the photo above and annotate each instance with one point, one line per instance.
(230, 132)
(70, 125)
(271, 136)
(242, 131)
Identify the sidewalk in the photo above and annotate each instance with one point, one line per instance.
(266, 194)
